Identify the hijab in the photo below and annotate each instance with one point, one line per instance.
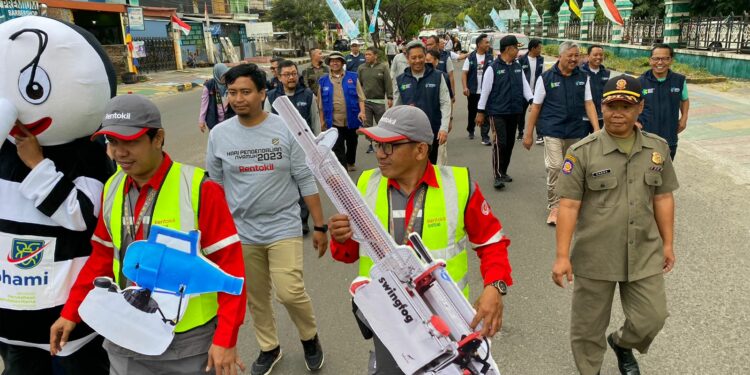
(219, 70)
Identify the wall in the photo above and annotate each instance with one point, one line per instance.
(731, 65)
(153, 29)
(118, 53)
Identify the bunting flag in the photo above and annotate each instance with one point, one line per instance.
(574, 8)
(495, 19)
(427, 19)
(535, 12)
(343, 18)
(374, 17)
(610, 11)
(471, 24)
(180, 25)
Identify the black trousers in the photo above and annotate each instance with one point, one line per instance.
(502, 144)
(672, 151)
(346, 146)
(473, 100)
(24, 360)
(434, 150)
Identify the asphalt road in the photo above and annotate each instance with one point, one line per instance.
(709, 302)
(708, 298)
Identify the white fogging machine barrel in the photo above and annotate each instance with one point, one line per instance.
(410, 301)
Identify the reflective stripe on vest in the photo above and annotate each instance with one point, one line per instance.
(443, 218)
(176, 207)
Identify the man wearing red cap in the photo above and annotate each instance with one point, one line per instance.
(149, 188)
(409, 194)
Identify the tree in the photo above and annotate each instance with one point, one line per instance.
(301, 18)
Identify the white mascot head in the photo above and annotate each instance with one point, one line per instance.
(55, 80)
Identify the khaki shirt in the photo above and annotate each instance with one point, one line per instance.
(311, 75)
(616, 237)
(339, 103)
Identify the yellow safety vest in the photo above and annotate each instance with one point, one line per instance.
(176, 207)
(443, 218)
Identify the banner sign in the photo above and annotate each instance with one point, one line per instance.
(343, 18)
(135, 18)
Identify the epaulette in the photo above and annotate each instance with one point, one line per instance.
(588, 139)
(653, 136)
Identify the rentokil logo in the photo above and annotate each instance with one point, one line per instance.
(648, 91)
(552, 85)
(25, 255)
(405, 86)
(117, 116)
(430, 85)
(675, 89)
(580, 83)
(388, 120)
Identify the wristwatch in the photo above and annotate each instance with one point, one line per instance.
(501, 287)
(323, 229)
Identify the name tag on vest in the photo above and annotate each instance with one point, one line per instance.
(430, 85)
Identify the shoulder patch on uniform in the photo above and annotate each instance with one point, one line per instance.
(569, 164)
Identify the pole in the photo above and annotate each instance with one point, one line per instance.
(364, 23)
(207, 35)
(177, 49)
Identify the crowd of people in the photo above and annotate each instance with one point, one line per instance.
(609, 142)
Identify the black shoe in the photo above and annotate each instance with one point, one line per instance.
(486, 142)
(471, 135)
(370, 150)
(498, 183)
(314, 356)
(519, 137)
(539, 140)
(625, 359)
(265, 362)
(305, 228)
(506, 178)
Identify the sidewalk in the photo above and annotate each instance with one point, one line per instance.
(176, 81)
(718, 126)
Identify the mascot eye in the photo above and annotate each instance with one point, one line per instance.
(34, 85)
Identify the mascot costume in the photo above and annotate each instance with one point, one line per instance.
(55, 81)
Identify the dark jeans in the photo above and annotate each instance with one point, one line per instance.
(473, 100)
(502, 145)
(390, 59)
(24, 360)
(346, 146)
(672, 151)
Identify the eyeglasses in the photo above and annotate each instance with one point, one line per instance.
(289, 75)
(660, 59)
(387, 148)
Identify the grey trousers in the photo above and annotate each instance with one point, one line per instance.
(373, 113)
(644, 303)
(187, 354)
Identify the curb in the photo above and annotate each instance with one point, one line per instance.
(185, 86)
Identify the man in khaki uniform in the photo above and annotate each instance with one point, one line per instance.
(616, 195)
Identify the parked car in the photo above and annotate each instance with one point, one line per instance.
(495, 42)
(341, 45)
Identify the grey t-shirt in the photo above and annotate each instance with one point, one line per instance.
(261, 168)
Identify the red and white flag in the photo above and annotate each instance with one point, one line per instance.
(610, 11)
(179, 24)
